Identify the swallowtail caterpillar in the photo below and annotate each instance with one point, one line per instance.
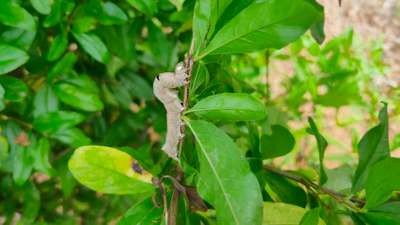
(164, 88)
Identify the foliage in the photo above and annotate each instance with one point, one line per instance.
(78, 74)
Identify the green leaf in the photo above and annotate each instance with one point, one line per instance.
(67, 181)
(41, 153)
(112, 14)
(282, 190)
(2, 92)
(18, 37)
(201, 23)
(22, 162)
(383, 179)
(178, 3)
(11, 14)
(31, 196)
(55, 121)
(58, 11)
(42, 6)
(108, 170)
(276, 22)
(15, 89)
(311, 217)
(63, 66)
(200, 76)
(225, 179)
(142, 213)
(206, 15)
(160, 47)
(77, 97)
(148, 7)
(57, 47)
(317, 31)
(283, 214)
(3, 149)
(322, 144)
(73, 137)
(45, 101)
(137, 86)
(387, 214)
(94, 46)
(230, 107)
(373, 147)
(340, 179)
(11, 58)
(279, 143)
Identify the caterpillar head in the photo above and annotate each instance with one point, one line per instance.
(180, 68)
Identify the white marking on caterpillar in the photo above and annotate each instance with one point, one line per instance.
(164, 89)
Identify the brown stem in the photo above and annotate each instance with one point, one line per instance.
(178, 189)
(186, 94)
(311, 185)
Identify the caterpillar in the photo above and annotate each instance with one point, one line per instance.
(164, 88)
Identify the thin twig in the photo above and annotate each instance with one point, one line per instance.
(178, 188)
(186, 94)
(309, 184)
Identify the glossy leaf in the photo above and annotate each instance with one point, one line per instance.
(11, 58)
(63, 66)
(281, 213)
(137, 86)
(45, 101)
(311, 217)
(22, 162)
(55, 121)
(73, 137)
(340, 179)
(387, 214)
(148, 7)
(42, 6)
(94, 46)
(279, 143)
(15, 89)
(282, 190)
(142, 213)
(276, 22)
(11, 14)
(230, 107)
(178, 4)
(41, 154)
(383, 179)
(78, 98)
(108, 170)
(201, 23)
(225, 179)
(18, 38)
(373, 147)
(321, 144)
(4, 149)
(57, 47)
(200, 77)
(112, 14)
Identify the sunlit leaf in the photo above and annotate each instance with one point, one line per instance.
(230, 107)
(373, 147)
(225, 179)
(11, 58)
(108, 170)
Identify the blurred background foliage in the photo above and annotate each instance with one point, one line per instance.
(84, 74)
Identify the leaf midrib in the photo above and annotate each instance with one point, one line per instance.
(216, 175)
(244, 34)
